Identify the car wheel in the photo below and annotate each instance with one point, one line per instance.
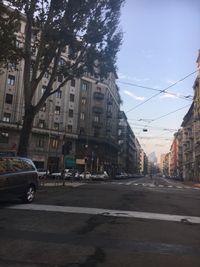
(29, 195)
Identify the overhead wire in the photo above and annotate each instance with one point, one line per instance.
(188, 97)
(162, 91)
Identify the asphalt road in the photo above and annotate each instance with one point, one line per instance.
(135, 222)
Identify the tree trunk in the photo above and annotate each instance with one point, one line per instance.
(25, 132)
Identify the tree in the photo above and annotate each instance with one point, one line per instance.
(89, 29)
(10, 53)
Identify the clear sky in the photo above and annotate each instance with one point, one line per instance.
(160, 46)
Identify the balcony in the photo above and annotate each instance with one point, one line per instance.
(97, 124)
(108, 130)
(190, 135)
(109, 114)
(109, 101)
(98, 96)
(97, 109)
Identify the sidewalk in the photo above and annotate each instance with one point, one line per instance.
(55, 183)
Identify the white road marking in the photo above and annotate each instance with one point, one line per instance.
(108, 212)
(153, 185)
(196, 188)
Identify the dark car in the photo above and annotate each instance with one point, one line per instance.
(18, 178)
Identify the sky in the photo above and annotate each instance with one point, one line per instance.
(161, 42)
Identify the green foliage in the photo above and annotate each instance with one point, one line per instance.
(87, 29)
(10, 53)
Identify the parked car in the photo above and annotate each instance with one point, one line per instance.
(42, 173)
(85, 175)
(121, 175)
(100, 176)
(18, 178)
(58, 175)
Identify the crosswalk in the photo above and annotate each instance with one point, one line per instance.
(152, 185)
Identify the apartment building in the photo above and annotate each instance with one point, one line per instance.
(83, 115)
(99, 106)
(166, 165)
(143, 162)
(188, 145)
(184, 157)
(162, 162)
(196, 125)
(174, 168)
(129, 154)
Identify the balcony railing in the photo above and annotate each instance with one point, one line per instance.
(97, 109)
(97, 124)
(109, 114)
(109, 101)
(98, 95)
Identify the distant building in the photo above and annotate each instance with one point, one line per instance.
(128, 156)
(188, 145)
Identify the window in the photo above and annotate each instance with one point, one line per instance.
(9, 99)
(82, 116)
(15, 164)
(34, 36)
(73, 83)
(56, 125)
(41, 123)
(18, 27)
(12, 65)
(82, 130)
(71, 113)
(69, 127)
(17, 43)
(33, 50)
(61, 62)
(27, 165)
(59, 94)
(11, 80)
(71, 97)
(96, 118)
(84, 86)
(3, 165)
(54, 143)
(4, 138)
(83, 101)
(96, 132)
(60, 78)
(40, 141)
(43, 108)
(46, 75)
(57, 110)
(6, 117)
(43, 89)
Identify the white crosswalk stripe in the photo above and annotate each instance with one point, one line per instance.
(152, 185)
(107, 212)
